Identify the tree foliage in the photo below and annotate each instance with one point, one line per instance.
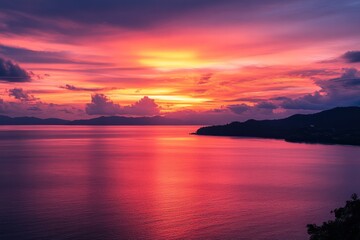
(346, 225)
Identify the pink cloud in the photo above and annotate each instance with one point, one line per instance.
(102, 105)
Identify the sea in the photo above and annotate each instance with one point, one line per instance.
(161, 182)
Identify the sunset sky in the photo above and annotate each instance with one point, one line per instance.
(213, 61)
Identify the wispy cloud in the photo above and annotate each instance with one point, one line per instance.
(20, 94)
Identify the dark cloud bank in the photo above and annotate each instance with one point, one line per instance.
(12, 72)
(337, 92)
(23, 17)
(352, 56)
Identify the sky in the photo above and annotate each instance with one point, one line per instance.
(209, 61)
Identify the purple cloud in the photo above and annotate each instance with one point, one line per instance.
(144, 107)
(25, 55)
(11, 72)
(239, 108)
(260, 110)
(74, 88)
(102, 105)
(266, 105)
(39, 109)
(20, 94)
(352, 56)
(342, 91)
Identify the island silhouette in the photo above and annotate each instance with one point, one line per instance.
(339, 125)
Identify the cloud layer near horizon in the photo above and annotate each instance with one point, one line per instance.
(102, 105)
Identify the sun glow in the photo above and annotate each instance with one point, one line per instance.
(180, 99)
(172, 60)
(163, 96)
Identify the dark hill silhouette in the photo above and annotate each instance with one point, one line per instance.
(335, 126)
(4, 120)
(114, 120)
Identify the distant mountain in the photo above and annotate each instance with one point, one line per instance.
(115, 120)
(4, 120)
(336, 126)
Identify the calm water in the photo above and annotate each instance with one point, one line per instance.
(162, 183)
